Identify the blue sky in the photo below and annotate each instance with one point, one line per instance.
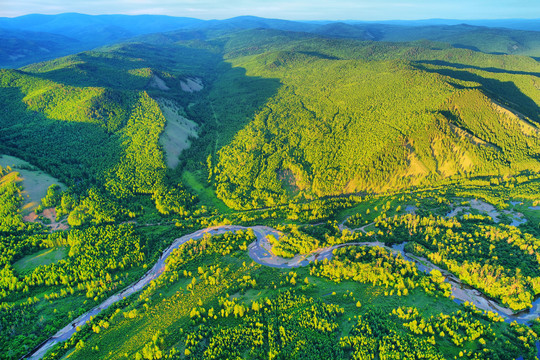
(287, 9)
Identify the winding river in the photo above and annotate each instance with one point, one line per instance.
(260, 252)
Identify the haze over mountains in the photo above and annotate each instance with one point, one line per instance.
(201, 165)
(33, 38)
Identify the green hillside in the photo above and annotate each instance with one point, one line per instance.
(408, 171)
(488, 40)
(340, 123)
(291, 114)
(104, 108)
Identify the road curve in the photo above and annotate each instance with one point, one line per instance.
(260, 252)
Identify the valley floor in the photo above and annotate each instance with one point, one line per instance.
(260, 251)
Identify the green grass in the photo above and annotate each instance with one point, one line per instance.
(532, 215)
(206, 194)
(43, 257)
(168, 308)
(362, 208)
(166, 305)
(273, 96)
(378, 203)
(35, 182)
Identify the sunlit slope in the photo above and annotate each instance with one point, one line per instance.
(338, 126)
(281, 114)
(94, 120)
(80, 131)
(94, 111)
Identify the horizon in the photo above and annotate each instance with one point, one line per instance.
(278, 18)
(295, 10)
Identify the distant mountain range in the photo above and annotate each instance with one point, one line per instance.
(33, 38)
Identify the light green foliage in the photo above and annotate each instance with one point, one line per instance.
(34, 288)
(378, 266)
(109, 130)
(286, 121)
(142, 164)
(497, 259)
(297, 241)
(421, 121)
(52, 199)
(306, 335)
(10, 201)
(172, 200)
(94, 254)
(367, 340)
(277, 317)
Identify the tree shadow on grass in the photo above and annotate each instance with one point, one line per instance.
(76, 151)
(505, 92)
(488, 69)
(232, 102)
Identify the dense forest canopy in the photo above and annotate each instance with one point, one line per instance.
(365, 158)
(344, 121)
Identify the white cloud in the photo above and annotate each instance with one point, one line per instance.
(147, 11)
(291, 9)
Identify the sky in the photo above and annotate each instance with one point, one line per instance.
(286, 9)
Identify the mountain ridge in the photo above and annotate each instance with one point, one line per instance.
(97, 30)
(331, 141)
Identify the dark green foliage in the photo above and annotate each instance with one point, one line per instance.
(110, 127)
(488, 40)
(196, 317)
(173, 200)
(498, 259)
(374, 335)
(332, 127)
(94, 253)
(10, 201)
(95, 259)
(299, 241)
(295, 126)
(285, 327)
(378, 266)
(52, 198)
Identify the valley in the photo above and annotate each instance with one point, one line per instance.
(261, 253)
(252, 188)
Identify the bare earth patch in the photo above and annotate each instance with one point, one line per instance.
(191, 85)
(526, 127)
(451, 158)
(158, 83)
(178, 130)
(34, 181)
(49, 214)
(416, 166)
(32, 217)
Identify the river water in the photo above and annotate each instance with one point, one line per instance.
(462, 293)
(259, 252)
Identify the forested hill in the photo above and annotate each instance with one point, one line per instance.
(94, 120)
(366, 116)
(281, 115)
(36, 37)
(332, 142)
